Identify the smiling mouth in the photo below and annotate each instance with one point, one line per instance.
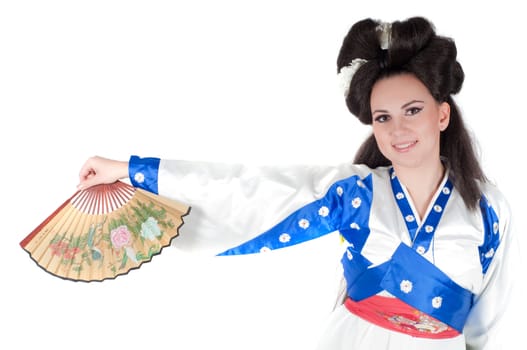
(403, 147)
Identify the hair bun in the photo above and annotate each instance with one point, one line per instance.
(408, 38)
(413, 47)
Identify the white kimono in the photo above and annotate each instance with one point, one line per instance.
(235, 204)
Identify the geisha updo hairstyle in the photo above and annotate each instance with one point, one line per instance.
(410, 46)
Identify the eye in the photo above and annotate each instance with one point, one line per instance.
(382, 118)
(413, 110)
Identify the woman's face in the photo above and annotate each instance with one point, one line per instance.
(407, 121)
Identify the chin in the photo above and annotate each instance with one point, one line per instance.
(407, 163)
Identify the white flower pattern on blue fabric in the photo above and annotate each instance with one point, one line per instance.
(438, 208)
(429, 228)
(421, 250)
(303, 223)
(490, 253)
(284, 237)
(495, 227)
(355, 226)
(406, 286)
(349, 255)
(355, 203)
(410, 218)
(265, 249)
(436, 302)
(361, 184)
(399, 195)
(340, 191)
(446, 190)
(323, 211)
(139, 177)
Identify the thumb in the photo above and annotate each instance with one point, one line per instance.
(84, 184)
(88, 182)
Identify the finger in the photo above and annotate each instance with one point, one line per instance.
(84, 175)
(89, 182)
(89, 169)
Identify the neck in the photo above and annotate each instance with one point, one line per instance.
(421, 183)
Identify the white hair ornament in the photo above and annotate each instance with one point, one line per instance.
(346, 74)
(384, 33)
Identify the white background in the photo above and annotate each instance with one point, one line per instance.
(241, 81)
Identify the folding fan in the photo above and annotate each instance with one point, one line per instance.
(104, 231)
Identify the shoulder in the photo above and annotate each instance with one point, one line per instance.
(497, 222)
(348, 175)
(362, 170)
(494, 197)
(360, 177)
(496, 212)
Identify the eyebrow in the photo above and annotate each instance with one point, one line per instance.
(409, 103)
(402, 107)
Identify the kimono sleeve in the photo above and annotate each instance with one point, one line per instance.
(489, 312)
(230, 203)
(309, 222)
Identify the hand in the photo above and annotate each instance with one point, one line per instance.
(98, 170)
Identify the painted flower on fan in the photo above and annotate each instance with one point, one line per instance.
(130, 252)
(120, 236)
(70, 253)
(150, 229)
(64, 250)
(58, 248)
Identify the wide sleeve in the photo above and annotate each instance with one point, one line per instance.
(309, 222)
(231, 203)
(490, 312)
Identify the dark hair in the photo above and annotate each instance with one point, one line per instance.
(413, 48)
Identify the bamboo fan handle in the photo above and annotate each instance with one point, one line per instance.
(103, 198)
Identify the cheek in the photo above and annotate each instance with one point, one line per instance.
(432, 125)
(380, 136)
(382, 140)
(432, 130)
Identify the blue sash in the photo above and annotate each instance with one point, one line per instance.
(411, 278)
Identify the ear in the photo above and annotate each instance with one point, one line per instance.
(444, 115)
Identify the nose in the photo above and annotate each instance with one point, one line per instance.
(398, 126)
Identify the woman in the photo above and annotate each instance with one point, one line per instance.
(426, 263)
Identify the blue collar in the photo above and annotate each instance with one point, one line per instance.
(421, 236)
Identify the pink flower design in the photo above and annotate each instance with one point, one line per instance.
(120, 236)
(58, 248)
